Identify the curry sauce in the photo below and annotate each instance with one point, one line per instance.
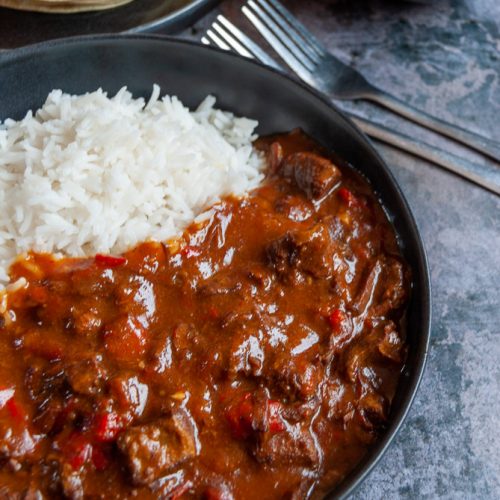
(254, 357)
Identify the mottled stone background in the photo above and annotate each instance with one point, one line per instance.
(443, 56)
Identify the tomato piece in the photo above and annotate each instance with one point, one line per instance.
(107, 426)
(347, 197)
(109, 260)
(240, 417)
(275, 421)
(335, 319)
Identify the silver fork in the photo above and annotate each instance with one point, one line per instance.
(225, 35)
(315, 65)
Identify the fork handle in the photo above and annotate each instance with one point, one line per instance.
(483, 175)
(482, 144)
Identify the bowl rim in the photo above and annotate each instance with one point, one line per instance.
(355, 478)
(177, 19)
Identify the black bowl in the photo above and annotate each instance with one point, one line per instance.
(280, 103)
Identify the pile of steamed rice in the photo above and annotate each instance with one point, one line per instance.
(91, 174)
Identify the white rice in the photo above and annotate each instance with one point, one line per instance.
(88, 174)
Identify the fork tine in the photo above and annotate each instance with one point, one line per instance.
(305, 33)
(291, 32)
(248, 43)
(211, 36)
(281, 35)
(231, 41)
(278, 46)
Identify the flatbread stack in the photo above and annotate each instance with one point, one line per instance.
(62, 6)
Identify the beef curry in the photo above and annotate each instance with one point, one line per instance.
(254, 357)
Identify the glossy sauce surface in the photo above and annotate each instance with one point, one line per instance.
(255, 357)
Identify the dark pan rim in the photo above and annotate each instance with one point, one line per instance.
(359, 474)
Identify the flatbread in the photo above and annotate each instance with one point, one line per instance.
(62, 6)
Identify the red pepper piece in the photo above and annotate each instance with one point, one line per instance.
(109, 260)
(240, 417)
(190, 251)
(213, 313)
(217, 493)
(275, 421)
(180, 490)
(77, 450)
(335, 319)
(347, 197)
(15, 410)
(5, 396)
(99, 459)
(107, 426)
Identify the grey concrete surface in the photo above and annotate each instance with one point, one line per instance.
(443, 56)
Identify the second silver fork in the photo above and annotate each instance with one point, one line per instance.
(314, 64)
(227, 36)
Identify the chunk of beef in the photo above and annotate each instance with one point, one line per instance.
(367, 290)
(316, 251)
(86, 376)
(337, 398)
(343, 332)
(16, 443)
(391, 344)
(161, 355)
(261, 276)
(247, 354)
(71, 483)
(360, 366)
(126, 338)
(394, 293)
(297, 379)
(313, 174)
(154, 449)
(274, 157)
(39, 342)
(311, 251)
(282, 254)
(248, 345)
(294, 446)
(32, 493)
(47, 386)
(298, 412)
(91, 281)
(372, 411)
(130, 393)
(218, 491)
(219, 284)
(86, 321)
(183, 336)
(296, 208)
(172, 486)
